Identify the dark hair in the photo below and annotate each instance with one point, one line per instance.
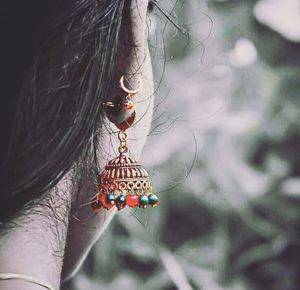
(58, 63)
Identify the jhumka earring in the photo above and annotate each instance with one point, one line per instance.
(124, 181)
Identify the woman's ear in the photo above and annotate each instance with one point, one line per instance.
(138, 15)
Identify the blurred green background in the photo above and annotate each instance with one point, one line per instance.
(223, 154)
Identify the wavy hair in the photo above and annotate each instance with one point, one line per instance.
(60, 61)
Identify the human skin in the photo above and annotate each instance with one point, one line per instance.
(35, 243)
(86, 227)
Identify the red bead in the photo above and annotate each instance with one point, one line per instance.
(132, 200)
(105, 203)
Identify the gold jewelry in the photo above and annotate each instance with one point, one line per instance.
(27, 278)
(120, 109)
(128, 91)
(124, 181)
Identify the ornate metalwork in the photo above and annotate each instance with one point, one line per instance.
(124, 174)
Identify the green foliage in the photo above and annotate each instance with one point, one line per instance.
(234, 221)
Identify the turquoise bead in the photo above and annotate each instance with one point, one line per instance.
(121, 198)
(110, 198)
(153, 199)
(144, 200)
(121, 201)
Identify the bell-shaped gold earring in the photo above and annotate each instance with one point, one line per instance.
(124, 181)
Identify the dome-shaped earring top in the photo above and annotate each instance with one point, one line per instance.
(124, 174)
